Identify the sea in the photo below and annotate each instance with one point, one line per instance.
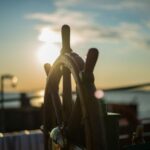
(140, 98)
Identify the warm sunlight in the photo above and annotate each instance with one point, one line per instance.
(48, 53)
(38, 101)
(47, 35)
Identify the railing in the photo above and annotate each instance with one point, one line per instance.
(25, 140)
(20, 117)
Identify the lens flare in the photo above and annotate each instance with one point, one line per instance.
(49, 50)
(99, 94)
(48, 35)
(48, 53)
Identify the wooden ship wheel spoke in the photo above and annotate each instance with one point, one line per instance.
(72, 124)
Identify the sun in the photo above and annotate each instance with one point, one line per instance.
(49, 50)
(48, 35)
(48, 53)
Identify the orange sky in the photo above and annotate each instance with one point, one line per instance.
(30, 37)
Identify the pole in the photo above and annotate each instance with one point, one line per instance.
(2, 105)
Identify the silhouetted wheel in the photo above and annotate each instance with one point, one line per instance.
(72, 123)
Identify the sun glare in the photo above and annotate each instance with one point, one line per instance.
(49, 50)
(38, 101)
(48, 53)
(47, 35)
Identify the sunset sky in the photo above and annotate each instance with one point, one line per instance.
(120, 29)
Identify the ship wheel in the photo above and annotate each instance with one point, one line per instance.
(72, 124)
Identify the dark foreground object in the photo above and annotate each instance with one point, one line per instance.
(18, 119)
(145, 146)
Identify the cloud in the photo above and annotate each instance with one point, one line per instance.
(78, 21)
(66, 3)
(60, 17)
(125, 5)
(109, 5)
(86, 28)
(147, 24)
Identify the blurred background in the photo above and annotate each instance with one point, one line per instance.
(30, 36)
